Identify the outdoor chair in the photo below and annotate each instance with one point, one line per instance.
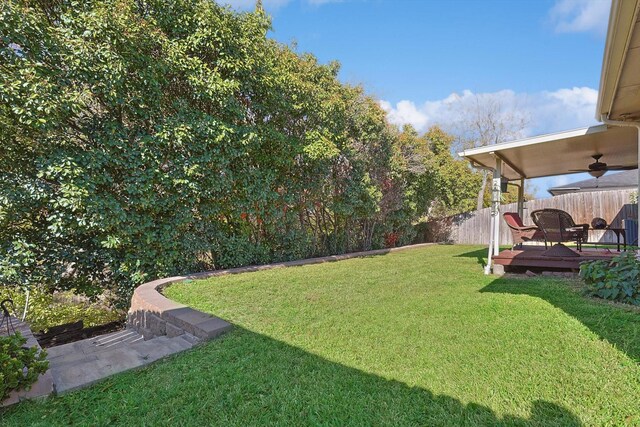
(558, 226)
(521, 233)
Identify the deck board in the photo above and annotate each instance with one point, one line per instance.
(532, 256)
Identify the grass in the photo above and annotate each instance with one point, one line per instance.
(419, 337)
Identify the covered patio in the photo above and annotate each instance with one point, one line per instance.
(542, 156)
(617, 140)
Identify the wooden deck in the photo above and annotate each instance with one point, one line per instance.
(532, 257)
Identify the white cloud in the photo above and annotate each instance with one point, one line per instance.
(405, 112)
(443, 111)
(565, 108)
(548, 111)
(574, 16)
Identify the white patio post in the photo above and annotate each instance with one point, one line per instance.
(521, 199)
(495, 205)
(492, 222)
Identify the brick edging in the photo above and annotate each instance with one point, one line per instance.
(152, 314)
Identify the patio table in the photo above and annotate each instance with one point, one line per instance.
(618, 231)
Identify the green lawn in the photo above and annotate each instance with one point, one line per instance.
(419, 337)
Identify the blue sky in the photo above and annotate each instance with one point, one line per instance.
(542, 57)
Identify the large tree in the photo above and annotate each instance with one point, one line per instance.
(486, 120)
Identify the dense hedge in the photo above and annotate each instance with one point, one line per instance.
(148, 138)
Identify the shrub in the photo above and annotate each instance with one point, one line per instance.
(391, 239)
(616, 280)
(47, 309)
(20, 366)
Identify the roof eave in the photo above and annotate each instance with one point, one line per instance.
(621, 21)
(533, 140)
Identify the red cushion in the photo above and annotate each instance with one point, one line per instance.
(513, 219)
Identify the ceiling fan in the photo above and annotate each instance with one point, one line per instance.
(598, 168)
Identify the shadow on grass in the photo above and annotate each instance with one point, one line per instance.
(250, 379)
(480, 255)
(618, 325)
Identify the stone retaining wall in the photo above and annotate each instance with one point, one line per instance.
(152, 314)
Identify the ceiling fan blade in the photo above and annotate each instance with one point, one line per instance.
(599, 168)
(621, 168)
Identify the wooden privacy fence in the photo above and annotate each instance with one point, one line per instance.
(474, 227)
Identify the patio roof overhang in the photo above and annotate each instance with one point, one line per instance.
(619, 95)
(558, 153)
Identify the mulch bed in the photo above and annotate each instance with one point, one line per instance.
(72, 332)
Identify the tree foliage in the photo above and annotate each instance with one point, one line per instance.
(487, 120)
(437, 183)
(151, 137)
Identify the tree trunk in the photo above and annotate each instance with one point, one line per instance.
(480, 204)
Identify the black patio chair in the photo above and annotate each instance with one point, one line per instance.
(558, 226)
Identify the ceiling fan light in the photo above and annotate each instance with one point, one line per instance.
(597, 173)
